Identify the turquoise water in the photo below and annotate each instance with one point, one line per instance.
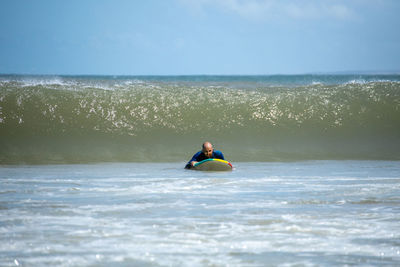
(308, 213)
(67, 119)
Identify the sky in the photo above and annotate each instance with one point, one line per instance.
(198, 37)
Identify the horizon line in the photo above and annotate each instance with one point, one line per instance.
(389, 72)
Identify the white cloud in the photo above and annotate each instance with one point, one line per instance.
(313, 10)
(341, 11)
(275, 9)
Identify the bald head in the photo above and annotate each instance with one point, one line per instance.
(207, 149)
(207, 145)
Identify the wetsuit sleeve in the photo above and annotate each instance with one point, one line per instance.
(194, 158)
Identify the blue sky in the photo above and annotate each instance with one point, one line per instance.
(182, 37)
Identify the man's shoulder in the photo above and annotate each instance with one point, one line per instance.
(197, 154)
(217, 152)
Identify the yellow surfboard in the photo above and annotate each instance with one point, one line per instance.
(213, 165)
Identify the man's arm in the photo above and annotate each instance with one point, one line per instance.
(193, 161)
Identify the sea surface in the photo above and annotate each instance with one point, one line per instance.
(92, 170)
(310, 213)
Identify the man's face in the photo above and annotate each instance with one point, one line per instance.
(208, 150)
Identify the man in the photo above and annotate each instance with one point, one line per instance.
(206, 152)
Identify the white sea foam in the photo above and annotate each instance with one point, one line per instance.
(45, 81)
(144, 214)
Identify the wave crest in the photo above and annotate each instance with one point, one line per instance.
(53, 122)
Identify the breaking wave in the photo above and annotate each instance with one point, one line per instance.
(93, 119)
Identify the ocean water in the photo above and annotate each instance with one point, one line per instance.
(310, 213)
(91, 170)
(66, 119)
